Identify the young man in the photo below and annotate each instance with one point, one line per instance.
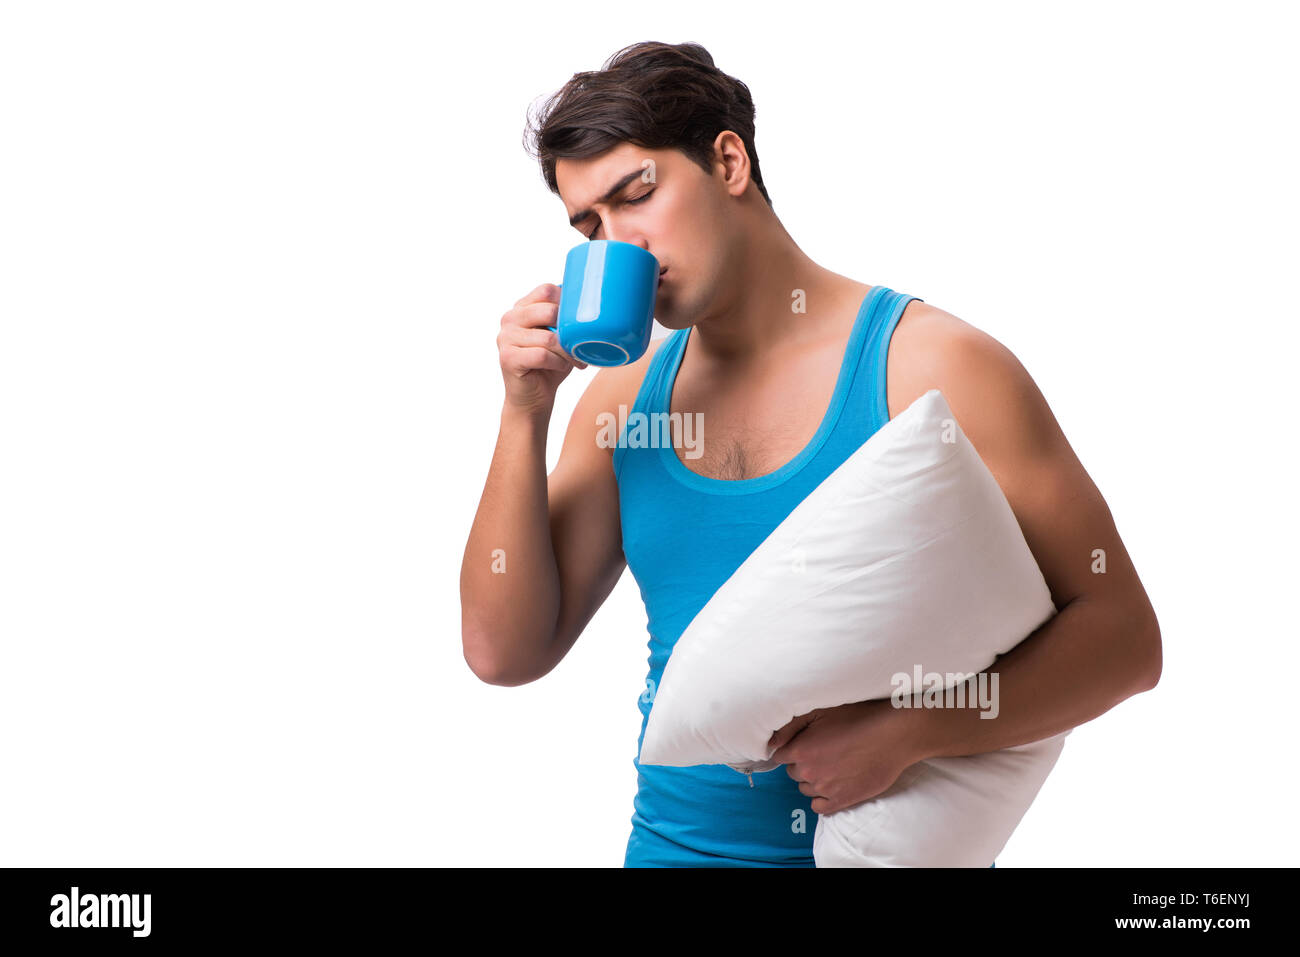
(657, 149)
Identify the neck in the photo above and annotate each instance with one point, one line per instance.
(758, 315)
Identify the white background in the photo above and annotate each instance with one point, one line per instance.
(253, 257)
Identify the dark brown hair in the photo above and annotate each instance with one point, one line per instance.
(656, 95)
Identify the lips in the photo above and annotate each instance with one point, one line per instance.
(661, 275)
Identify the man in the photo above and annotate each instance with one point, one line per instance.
(792, 367)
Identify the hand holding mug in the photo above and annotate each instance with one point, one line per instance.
(532, 362)
(601, 314)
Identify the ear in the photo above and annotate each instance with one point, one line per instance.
(730, 154)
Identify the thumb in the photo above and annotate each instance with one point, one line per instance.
(781, 737)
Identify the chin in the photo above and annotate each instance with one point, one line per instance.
(669, 321)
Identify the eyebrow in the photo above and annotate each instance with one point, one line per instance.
(609, 194)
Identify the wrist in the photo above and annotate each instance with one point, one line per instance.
(533, 417)
(916, 732)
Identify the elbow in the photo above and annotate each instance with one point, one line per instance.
(484, 668)
(477, 649)
(492, 670)
(477, 657)
(1151, 661)
(481, 670)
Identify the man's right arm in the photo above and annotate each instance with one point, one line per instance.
(543, 553)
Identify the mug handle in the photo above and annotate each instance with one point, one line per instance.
(557, 332)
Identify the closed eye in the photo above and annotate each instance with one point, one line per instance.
(627, 202)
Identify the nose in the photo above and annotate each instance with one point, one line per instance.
(627, 237)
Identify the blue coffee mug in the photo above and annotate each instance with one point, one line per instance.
(607, 302)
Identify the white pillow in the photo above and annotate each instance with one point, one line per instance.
(907, 555)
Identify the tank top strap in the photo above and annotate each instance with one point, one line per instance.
(869, 395)
(652, 387)
(666, 362)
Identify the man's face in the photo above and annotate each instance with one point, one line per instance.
(662, 202)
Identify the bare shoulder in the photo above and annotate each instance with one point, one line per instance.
(928, 347)
(992, 395)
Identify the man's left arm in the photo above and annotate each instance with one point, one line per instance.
(1101, 647)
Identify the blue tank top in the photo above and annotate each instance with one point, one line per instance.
(684, 534)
